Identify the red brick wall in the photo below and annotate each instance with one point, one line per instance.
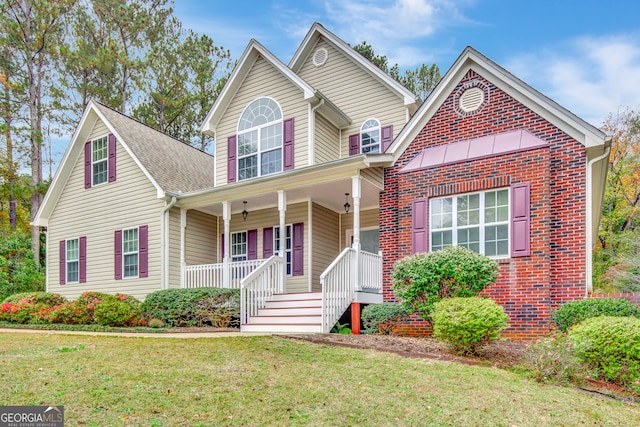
(528, 286)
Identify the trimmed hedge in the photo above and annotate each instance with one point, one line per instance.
(574, 312)
(383, 318)
(611, 345)
(194, 307)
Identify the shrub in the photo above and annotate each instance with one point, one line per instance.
(18, 272)
(574, 312)
(383, 318)
(30, 307)
(611, 345)
(553, 359)
(422, 279)
(189, 307)
(118, 310)
(70, 313)
(221, 310)
(466, 324)
(156, 323)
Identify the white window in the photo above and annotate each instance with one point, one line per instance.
(260, 139)
(287, 247)
(130, 253)
(370, 136)
(239, 246)
(72, 260)
(99, 153)
(477, 221)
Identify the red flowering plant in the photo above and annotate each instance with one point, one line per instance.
(29, 307)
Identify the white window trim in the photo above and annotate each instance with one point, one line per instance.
(124, 254)
(67, 261)
(105, 160)
(378, 128)
(246, 245)
(259, 153)
(454, 221)
(290, 250)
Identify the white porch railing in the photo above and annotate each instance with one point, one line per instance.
(370, 271)
(210, 275)
(260, 285)
(338, 288)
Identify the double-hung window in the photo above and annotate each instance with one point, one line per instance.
(72, 258)
(477, 221)
(239, 246)
(370, 136)
(130, 253)
(288, 245)
(99, 166)
(260, 139)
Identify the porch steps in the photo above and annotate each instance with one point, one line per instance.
(292, 313)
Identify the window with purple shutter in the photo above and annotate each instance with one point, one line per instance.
(63, 262)
(252, 244)
(143, 241)
(117, 251)
(287, 154)
(419, 225)
(354, 144)
(112, 157)
(298, 250)
(83, 259)
(87, 164)
(267, 242)
(520, 220)
(231, 158)
(387, 137)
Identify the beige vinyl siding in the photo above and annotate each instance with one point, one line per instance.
(368, 219)
(356, 92)
(325, 238)
(200, 238)
(327, 141)
(97, 213)
(264, 80)
(374, 176)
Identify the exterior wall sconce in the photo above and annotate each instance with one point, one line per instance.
(347, 206)
(245, 214)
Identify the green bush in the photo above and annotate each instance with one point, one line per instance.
(383, 318)
(191, 307)
(118, 310)
(466, 324)
(30, 307)
(423, 279)
(611, 345)
(70, 313)
(553, 360)
(18, 272)
(47, 298)
(574, 312)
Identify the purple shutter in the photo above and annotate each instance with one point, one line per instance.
(63, 262)
(520, 222)
(83, 259)
(354, 144)
(87, 165)
(222, 246)
(112, 157)
(267, 242)
(117, 251)
(143, 248)
(297, 255)
(231, 158)
(287, 146)
(252, 244)
(419, 225)
(387, 137)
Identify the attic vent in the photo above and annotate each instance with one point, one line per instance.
(471, 99)
(320, 57)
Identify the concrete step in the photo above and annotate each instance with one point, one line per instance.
(282, 320)
(287, 328)
(290, 311)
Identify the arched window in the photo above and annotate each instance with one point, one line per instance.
(370, 136)
(260, 139)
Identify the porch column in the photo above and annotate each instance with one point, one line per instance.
(282, 209)
(226, 217)
(183, 227)
(356, 185)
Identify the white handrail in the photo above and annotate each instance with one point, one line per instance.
(371, 271)
(259, 286)
(338, 288)
(210, 275)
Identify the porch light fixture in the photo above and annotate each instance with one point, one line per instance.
(346, 204)
(245, 214)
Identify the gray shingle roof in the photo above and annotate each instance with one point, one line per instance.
(176, 166)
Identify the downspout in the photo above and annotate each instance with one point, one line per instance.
(592, 162)
(164, 242)
(312, 132)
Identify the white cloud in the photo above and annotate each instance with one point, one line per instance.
(591, 76)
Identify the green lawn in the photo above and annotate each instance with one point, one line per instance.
(111, 381)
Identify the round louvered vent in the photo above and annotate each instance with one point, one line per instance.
(320, 57)
(471, 99)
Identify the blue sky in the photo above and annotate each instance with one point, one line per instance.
(583, 54)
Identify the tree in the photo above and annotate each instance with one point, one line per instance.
(420, 81)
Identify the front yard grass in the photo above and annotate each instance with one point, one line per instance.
(113, 381)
